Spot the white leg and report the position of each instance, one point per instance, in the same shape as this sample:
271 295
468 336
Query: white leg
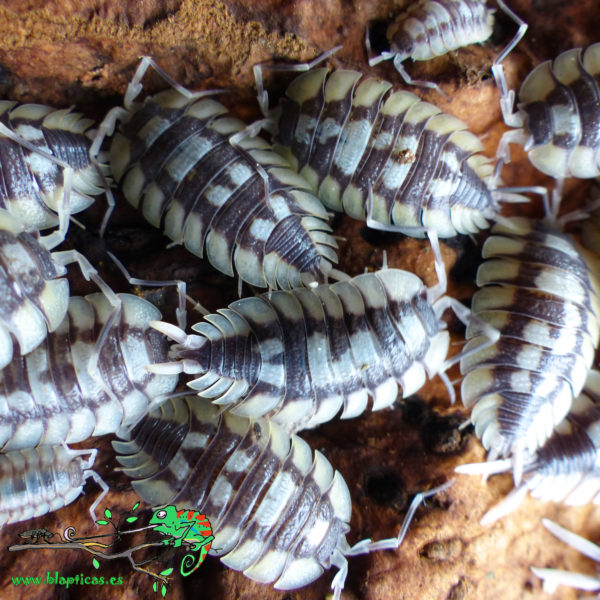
518 36
410 81
57 237
261 92
375 59
575 541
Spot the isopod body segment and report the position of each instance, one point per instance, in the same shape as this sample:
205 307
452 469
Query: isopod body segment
538 290
383 155
87 378
299 356
36 481
223 194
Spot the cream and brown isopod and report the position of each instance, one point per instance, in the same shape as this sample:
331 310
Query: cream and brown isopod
36 481
430 28
558 116
278 512
87 378
299 356
46 173
221 193
538 290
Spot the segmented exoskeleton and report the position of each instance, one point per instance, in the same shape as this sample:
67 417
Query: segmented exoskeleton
277 514
558 114
567 468
430 28
298 356
36 481
88 377
46 173
221 193
538 290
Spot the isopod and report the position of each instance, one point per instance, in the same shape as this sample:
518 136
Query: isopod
298 356
88 378
387 157
46 173
558 114
538 290
430 28
195 173
35 291
567 468
278 512
554 577
36 481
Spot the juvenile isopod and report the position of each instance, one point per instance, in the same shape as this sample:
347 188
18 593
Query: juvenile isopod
36 481
430 28
87 378
278 512
539 291
299 356
195 173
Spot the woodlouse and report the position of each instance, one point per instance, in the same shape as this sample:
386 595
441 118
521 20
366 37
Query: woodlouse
567 468
46 173
196 174
277 514
88 378
35 481
538 290
558 114
298 356
430 28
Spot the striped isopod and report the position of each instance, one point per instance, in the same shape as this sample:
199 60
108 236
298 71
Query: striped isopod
278 512
558 114
567 468
538 290
223 194
385 155
554 577
36 481
430 28
88 377
298 356
38 146
36 294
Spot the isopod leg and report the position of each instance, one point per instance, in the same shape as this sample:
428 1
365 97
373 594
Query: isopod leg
180 312
366 546
398 64
517 37
572 539
262 94
57 237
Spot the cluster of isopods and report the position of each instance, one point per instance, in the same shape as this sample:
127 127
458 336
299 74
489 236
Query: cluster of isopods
255 205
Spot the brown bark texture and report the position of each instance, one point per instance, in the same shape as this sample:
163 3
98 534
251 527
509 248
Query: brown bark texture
83 53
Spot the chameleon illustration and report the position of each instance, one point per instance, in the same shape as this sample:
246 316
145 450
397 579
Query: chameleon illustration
185 526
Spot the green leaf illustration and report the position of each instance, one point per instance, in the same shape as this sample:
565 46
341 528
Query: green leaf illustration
135 506
154 586
95 563
108 514
167 572
163 591
131 519
101 522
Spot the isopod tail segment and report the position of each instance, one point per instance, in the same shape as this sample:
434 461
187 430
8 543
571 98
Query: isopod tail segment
78 187
555 577
344 550
406 34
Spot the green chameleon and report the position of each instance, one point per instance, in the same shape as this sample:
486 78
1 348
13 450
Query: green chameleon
185 526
